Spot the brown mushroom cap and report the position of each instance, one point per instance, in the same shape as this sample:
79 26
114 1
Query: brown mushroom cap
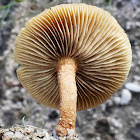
85 33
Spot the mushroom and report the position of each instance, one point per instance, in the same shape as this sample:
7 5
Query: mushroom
72 57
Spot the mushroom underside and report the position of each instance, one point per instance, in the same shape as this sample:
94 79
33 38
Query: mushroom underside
74 53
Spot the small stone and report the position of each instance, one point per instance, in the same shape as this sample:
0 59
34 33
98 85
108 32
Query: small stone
18 135
94 116
119 4
132 42
17 106
137 78
17 98
15 88
128 25
135 113
133 87
34 7
54 134
103 107
71 132
9 134
22 90
102 126
135 132
116 123
53 115
98 138
116 100
9 118
120 137
125 97
109 103
132 64
8 93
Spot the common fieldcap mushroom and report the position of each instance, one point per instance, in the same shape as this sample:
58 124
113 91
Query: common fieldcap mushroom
72 57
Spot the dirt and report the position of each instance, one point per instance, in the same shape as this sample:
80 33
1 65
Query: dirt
109 121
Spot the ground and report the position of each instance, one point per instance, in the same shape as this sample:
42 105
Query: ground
109 121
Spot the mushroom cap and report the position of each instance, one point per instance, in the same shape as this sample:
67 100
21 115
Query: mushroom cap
85 33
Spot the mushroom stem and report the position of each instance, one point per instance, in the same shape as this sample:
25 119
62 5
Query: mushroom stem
68 96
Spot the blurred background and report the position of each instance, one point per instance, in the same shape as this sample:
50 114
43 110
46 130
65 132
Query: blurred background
116 119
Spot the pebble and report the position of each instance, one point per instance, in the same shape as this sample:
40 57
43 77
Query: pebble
115 122
120 137
109 103
134 113
128 25
135 131
95 116
17 106
8 93
102 126
133 87
116 100
15 88
53 115
98 138
18 135
125 97
22 90
137 78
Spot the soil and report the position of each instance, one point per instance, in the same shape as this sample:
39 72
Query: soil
109 121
